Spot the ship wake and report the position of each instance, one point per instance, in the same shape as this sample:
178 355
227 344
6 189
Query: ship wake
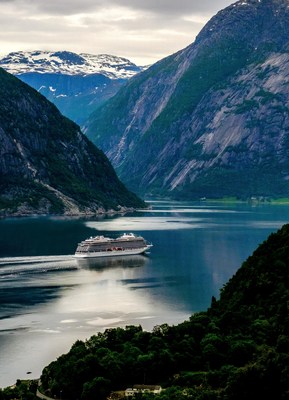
15 266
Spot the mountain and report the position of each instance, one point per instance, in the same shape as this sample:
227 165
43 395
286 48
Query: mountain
214 116
76 83
236 350
47 166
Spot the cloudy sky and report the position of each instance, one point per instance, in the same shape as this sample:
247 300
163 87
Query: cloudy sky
142 30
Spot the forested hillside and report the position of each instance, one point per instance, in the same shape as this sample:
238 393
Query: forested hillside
238 349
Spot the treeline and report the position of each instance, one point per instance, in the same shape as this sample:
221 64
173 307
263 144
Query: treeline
238 349
22 390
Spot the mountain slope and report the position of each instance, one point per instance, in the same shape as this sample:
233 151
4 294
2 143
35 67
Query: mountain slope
213 115
46 164
76 83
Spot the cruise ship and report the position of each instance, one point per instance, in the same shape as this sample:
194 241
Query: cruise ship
101 246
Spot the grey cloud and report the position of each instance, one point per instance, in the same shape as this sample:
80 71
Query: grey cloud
158 7
67 7
57 7
158 29
156 24
173 7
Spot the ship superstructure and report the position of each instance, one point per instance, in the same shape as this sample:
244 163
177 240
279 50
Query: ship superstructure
101 246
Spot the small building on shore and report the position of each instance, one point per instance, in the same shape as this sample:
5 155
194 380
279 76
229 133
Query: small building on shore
130 392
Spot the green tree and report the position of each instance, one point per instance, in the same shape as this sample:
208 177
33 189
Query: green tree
99 388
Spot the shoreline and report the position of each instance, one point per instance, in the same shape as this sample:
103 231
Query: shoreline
124 210
99 213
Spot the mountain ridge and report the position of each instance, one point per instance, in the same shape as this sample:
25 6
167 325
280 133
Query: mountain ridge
177 108
66 62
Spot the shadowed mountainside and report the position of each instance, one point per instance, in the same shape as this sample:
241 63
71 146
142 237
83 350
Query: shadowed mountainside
46 164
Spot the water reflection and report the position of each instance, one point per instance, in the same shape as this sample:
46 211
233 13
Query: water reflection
155 282
147 223
101 263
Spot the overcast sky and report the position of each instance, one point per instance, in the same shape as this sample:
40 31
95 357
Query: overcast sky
143 31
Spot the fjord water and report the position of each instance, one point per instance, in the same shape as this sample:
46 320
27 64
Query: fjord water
48 299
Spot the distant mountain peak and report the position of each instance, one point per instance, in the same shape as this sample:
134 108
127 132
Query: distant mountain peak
76 83
66 62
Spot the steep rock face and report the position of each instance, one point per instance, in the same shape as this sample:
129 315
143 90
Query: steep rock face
213 116
76 83
46 164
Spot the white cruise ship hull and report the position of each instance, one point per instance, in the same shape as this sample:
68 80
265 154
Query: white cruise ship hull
113 253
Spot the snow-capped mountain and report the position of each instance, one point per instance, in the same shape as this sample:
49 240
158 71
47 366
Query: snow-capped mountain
76 83
65 62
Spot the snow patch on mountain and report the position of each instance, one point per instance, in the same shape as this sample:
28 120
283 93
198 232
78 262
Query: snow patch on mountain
68 63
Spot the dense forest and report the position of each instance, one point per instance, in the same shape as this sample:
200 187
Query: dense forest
238 349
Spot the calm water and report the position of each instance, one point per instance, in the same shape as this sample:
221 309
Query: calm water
48 299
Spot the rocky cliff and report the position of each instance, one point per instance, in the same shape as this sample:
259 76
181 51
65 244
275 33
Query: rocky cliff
46 164
214 116
76 83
